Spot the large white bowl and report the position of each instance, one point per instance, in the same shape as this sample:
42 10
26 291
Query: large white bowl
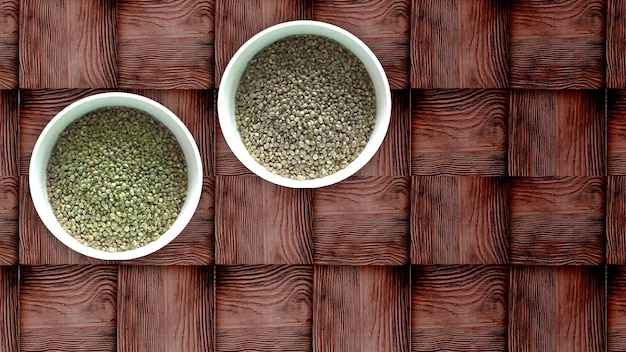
49 136
237 66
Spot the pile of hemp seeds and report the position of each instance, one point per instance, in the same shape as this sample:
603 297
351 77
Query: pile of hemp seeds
116 179
305 107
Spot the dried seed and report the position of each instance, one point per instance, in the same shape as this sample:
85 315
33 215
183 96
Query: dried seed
305 107
132 172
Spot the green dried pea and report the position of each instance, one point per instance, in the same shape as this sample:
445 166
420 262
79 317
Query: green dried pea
115 177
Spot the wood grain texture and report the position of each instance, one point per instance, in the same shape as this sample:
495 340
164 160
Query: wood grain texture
9 117
459 44
68 44
616 132
459 308
557 45
9 217
37 245
37 108
383 25
237 21
260 223
616 308
226 163
459 132
195 108
361 308
615 44
557 221
263 308
9 61
9 314
556 133
459 220
556 309
557 19
165 308
166 44
393 156
72 308
362 221
616 220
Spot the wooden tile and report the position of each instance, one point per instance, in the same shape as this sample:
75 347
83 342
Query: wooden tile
383 25
616 308
362 221
9 237
69 308
556 309
258 222
362 308
263 308
616 220
195 108
237 21
166 45
556 221
37 108
557 45
165 308
37 245
459 220
226 163
459 308
459 132
616 132
459 44
9 117
76 44
392 158
556 133
615 44
9 62
9 322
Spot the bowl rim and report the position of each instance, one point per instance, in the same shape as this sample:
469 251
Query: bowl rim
38 191
231 135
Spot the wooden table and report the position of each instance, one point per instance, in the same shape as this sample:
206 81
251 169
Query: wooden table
493 218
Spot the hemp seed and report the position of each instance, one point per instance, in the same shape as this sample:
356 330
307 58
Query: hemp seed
305 107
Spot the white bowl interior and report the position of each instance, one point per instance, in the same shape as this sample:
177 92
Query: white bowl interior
237 65
49 136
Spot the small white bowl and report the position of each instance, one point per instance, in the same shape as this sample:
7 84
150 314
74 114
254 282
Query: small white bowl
49 136
237 66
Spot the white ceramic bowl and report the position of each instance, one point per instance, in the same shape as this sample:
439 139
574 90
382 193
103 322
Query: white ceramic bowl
237 66
49 136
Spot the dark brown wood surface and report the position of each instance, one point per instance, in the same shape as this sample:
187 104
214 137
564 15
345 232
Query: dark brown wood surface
557 44
459 308
9 37
68 307
459 44
493 217
264 308
459 132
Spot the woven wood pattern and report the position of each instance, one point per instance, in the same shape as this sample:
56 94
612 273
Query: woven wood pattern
493 217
